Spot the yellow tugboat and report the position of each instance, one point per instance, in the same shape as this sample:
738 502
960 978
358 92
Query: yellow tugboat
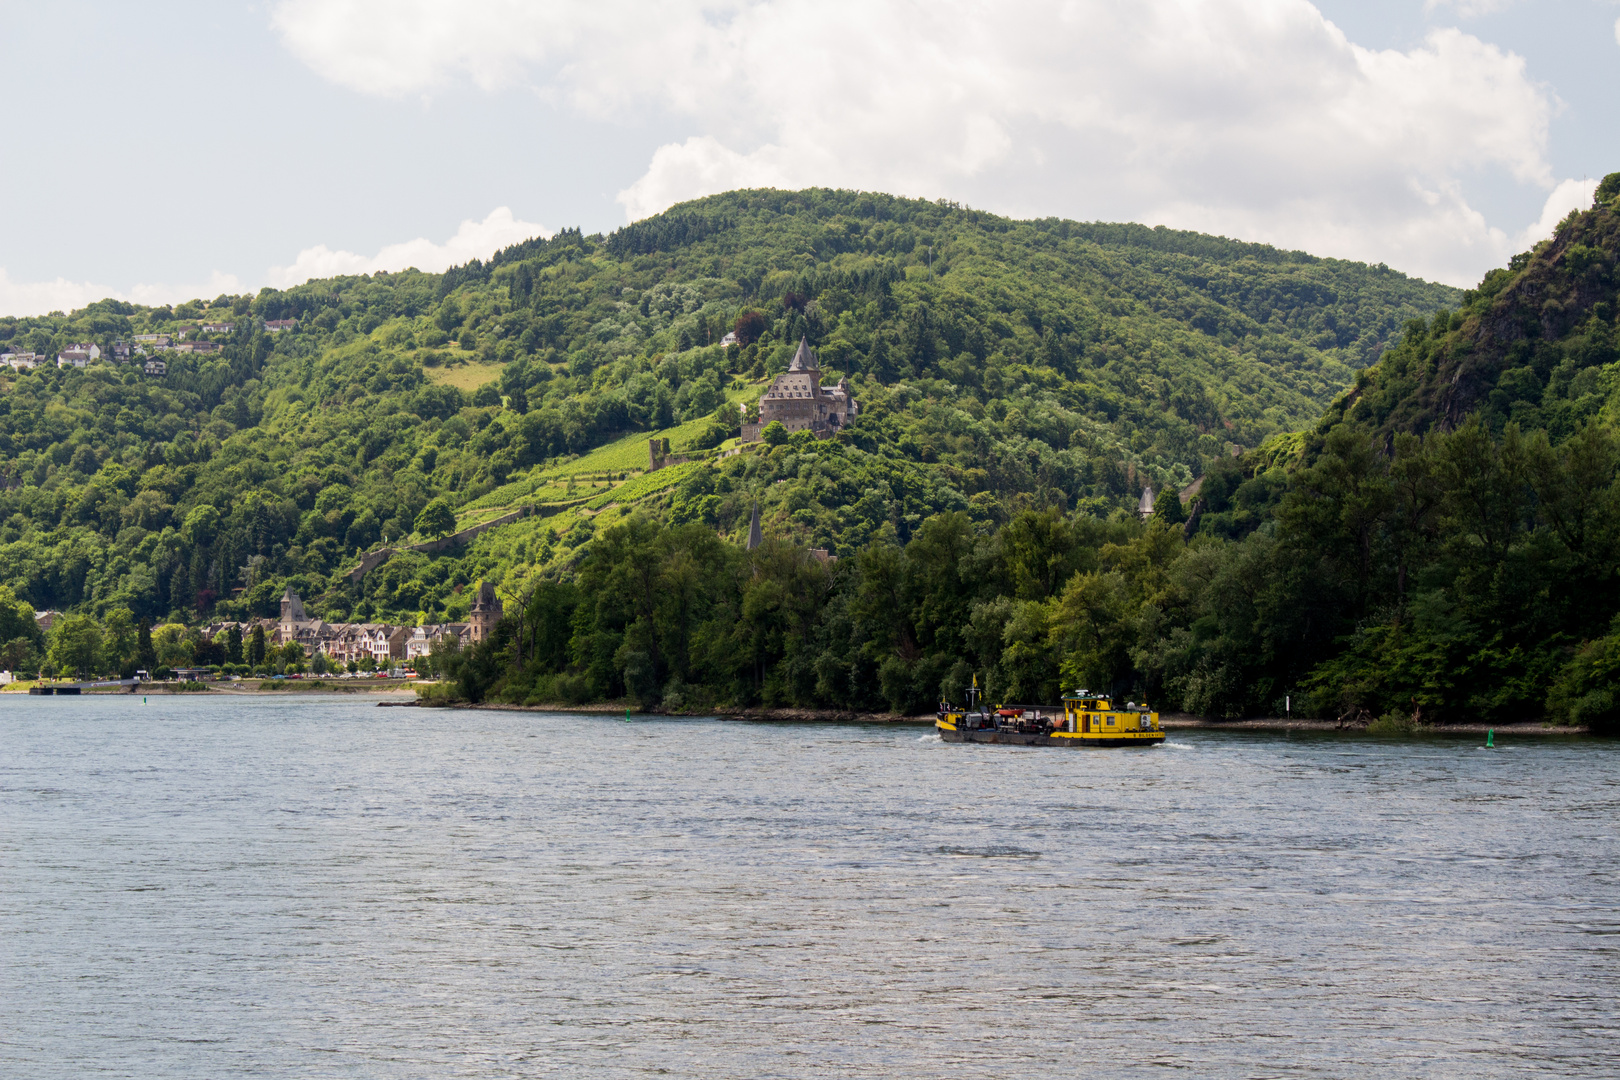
1086 720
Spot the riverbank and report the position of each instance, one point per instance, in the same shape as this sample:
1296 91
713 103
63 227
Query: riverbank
392 687
402 688
1187 722
23 688
786 716
1170 721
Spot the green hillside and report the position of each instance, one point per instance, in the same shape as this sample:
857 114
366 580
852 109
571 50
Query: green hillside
1440 545
1004 368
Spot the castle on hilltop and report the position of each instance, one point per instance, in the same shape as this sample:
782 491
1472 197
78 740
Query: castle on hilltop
797 399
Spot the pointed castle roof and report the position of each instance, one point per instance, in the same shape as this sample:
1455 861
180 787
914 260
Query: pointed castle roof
804 359
485 599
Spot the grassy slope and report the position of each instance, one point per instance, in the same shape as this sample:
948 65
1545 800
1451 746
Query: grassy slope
466 377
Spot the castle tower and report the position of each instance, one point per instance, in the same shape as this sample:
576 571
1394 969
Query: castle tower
292 614
485 613
292 607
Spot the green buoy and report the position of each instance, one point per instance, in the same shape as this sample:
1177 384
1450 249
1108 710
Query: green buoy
627 716
1490 735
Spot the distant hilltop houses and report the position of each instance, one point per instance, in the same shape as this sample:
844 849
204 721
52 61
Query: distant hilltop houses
139 348
345 643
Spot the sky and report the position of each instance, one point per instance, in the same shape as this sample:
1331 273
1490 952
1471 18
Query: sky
167 150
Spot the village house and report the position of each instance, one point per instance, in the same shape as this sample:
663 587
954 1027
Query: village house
801 403
78 355
351 643
276 326
120 352
197 347
20 361
157 367
342 644
461 633
385 645
417 645
218 327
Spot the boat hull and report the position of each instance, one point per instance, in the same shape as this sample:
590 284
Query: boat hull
1015 738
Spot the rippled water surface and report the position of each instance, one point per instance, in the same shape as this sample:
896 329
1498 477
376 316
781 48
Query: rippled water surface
198 888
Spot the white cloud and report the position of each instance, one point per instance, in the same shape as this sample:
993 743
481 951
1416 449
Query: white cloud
702 164
394 47
1250 117
1570 195
39 297
21 298
474 240
1470 8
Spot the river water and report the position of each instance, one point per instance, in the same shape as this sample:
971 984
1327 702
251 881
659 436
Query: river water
321 888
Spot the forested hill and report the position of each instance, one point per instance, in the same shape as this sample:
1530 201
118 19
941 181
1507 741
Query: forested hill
1002 364
1005 368
1441 544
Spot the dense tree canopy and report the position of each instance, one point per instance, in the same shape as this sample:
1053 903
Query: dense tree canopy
1003 364
1021 383
1442 544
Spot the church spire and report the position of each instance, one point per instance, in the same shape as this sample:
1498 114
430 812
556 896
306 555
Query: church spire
755 536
